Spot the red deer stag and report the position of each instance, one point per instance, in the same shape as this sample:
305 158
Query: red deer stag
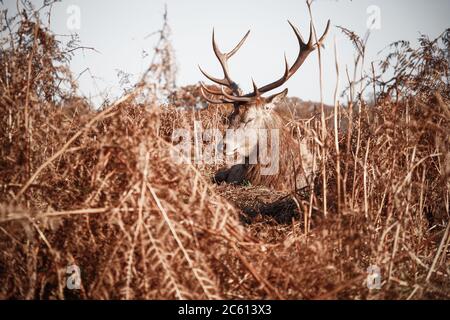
254 112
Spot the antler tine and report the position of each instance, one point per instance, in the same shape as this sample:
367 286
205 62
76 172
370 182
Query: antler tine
287 74
322 38
305 50
285 91
222 82
222 100
211 91
235 98
238 46
302 43
255 89
228 98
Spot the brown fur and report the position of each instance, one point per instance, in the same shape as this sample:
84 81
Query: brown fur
295 158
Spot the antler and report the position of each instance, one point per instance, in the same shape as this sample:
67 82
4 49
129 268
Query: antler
305 50
223 59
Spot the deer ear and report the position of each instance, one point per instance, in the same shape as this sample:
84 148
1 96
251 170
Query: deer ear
277 97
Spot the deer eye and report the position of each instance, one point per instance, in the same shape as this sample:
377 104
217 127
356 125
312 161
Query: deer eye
268 106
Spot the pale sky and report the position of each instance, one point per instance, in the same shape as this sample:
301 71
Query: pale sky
117 30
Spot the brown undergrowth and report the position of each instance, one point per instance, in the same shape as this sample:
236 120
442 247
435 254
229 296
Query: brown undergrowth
100 189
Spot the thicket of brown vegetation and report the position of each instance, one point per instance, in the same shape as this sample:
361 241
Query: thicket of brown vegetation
99 189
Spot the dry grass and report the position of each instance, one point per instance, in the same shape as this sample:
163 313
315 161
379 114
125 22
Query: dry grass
99 189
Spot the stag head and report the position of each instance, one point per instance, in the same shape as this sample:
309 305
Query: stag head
252 110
